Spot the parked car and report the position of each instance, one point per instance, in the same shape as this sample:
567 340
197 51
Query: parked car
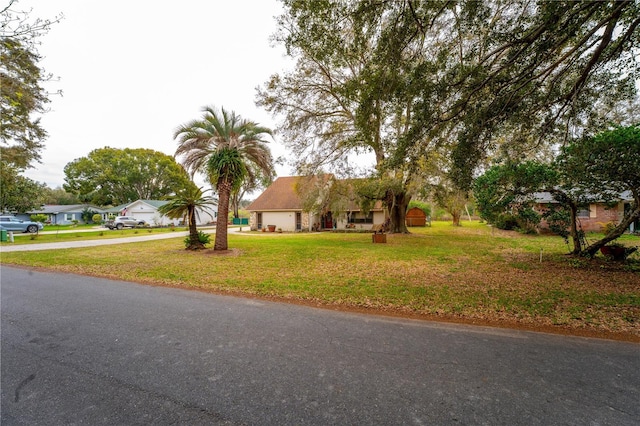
12 223
125 222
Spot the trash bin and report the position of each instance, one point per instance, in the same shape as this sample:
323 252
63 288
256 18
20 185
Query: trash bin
3 235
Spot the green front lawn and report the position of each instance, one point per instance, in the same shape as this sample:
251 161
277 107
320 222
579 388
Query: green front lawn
470 274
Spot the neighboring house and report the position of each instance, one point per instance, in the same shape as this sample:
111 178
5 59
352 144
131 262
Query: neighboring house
280 206
64 214
594 217
147 210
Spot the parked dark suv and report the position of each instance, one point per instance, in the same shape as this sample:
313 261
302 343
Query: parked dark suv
125 222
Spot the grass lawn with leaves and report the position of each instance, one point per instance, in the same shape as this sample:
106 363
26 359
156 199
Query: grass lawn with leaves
470 274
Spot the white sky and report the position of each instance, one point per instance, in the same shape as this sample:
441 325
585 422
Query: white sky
132 71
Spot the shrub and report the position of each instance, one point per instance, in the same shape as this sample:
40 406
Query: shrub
96 218
559 221
87 214
42 218
506 221
608 227
528 220
202 237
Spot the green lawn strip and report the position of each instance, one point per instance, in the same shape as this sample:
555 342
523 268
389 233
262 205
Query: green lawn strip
462 272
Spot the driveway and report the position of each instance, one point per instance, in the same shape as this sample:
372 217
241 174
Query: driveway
82 350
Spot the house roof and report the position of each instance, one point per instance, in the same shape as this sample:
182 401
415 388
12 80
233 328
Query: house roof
547 198
280 195
57 208
153 203
117 209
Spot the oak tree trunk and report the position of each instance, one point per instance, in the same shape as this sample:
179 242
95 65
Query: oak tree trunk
397 205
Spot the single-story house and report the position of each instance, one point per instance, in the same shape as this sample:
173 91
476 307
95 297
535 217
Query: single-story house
280 206
147 210
596 215
64 214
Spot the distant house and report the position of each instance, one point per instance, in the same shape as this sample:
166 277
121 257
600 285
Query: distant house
280 206
147 210
596 215
64 214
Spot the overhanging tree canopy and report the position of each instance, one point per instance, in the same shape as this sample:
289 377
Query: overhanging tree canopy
598 168
402 78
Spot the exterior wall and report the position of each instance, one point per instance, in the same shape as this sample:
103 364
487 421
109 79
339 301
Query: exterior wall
287 220
378 218
64 218
284 220
150 214
206 217
307 221
599 215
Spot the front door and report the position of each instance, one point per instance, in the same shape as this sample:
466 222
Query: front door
327 221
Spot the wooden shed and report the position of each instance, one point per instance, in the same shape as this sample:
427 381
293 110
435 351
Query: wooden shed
416 217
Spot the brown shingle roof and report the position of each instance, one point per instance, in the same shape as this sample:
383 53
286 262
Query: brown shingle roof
280 195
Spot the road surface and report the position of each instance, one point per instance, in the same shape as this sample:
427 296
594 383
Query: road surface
81 350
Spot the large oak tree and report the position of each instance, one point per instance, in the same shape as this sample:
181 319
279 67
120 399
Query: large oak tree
403 78
116 176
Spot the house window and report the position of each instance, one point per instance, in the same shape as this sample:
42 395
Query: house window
298 221
584 213
360 218
259 220
68 217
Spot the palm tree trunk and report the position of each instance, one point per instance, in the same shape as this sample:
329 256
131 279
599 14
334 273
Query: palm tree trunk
224 194
194 239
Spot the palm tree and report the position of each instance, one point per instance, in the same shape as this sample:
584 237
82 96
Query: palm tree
228 150
186 203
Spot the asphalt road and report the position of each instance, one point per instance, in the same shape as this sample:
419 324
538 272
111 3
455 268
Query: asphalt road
79 350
